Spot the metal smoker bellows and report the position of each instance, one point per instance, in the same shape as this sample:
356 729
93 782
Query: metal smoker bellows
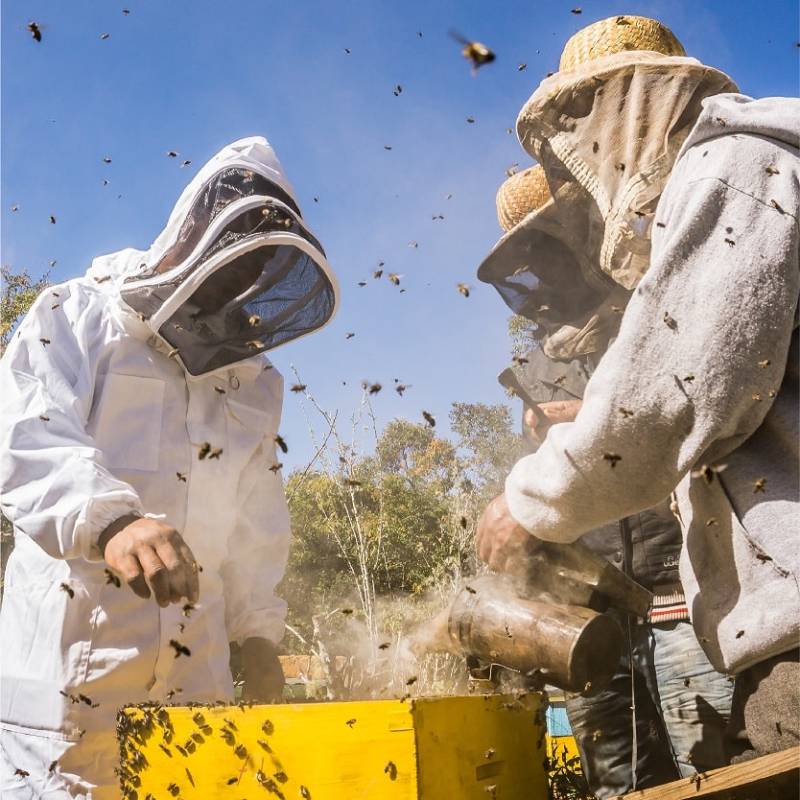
549 617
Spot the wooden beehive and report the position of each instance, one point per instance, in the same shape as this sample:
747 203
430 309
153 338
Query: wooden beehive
446 748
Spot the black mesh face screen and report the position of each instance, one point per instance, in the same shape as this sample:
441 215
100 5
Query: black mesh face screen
544 284
259 300
216 194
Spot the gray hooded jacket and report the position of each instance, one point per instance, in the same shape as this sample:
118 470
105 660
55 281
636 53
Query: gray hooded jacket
700 388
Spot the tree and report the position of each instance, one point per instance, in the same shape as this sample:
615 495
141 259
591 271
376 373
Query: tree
19 291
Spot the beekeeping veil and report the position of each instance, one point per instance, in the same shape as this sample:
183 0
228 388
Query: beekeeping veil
606 129
236 271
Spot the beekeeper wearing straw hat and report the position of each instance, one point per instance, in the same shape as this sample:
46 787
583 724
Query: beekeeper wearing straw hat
664 713
670 186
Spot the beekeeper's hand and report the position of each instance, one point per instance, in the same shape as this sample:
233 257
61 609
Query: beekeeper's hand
263 675
539 421
149 554
501 541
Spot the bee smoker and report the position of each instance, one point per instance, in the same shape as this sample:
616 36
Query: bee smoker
550 618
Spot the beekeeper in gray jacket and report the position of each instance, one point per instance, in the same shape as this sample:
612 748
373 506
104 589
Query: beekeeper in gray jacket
669 185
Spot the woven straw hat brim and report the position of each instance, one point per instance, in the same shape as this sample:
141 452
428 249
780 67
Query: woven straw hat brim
520 194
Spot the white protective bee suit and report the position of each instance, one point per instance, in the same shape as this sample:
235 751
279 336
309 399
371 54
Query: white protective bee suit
143 388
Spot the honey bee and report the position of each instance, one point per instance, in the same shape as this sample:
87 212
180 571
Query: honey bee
180 649
65 587
463 289
281 442
112 578
35 30
400 388
298 387
429 418
52 220
349 335
395 278
477 53
612 459
104 36
205 449
276 467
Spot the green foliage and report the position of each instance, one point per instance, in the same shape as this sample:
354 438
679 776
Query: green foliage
17 296
398 522
523 334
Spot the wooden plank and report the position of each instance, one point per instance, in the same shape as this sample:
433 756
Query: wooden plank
775 775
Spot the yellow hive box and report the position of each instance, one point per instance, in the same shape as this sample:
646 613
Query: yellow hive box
446 748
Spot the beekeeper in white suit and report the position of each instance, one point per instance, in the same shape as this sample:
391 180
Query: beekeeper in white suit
138 464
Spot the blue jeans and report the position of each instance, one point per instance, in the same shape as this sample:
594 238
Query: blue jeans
682 706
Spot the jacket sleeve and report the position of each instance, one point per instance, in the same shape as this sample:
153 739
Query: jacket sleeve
701 350
55 486
258 551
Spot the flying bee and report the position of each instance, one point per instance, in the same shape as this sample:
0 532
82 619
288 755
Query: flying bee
395 278
172 153
181 477
429 418
276 467
35 30
371 388
398 90
216 453
463 288
104 36
377 273
391 770
350 722
758 485
352 483
298 387
186 162
112 578
281 442
707 472
612 459
255 344
400 388
205 449
411 681
349 335
52 220
384 645
471 120
476 53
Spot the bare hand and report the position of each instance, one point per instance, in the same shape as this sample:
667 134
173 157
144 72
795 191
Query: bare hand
263 675
150 554
551 413
501 541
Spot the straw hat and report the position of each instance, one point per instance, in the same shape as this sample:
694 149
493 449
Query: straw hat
527 191
520 194
615 35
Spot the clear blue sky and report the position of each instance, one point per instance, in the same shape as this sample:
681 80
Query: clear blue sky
192 76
